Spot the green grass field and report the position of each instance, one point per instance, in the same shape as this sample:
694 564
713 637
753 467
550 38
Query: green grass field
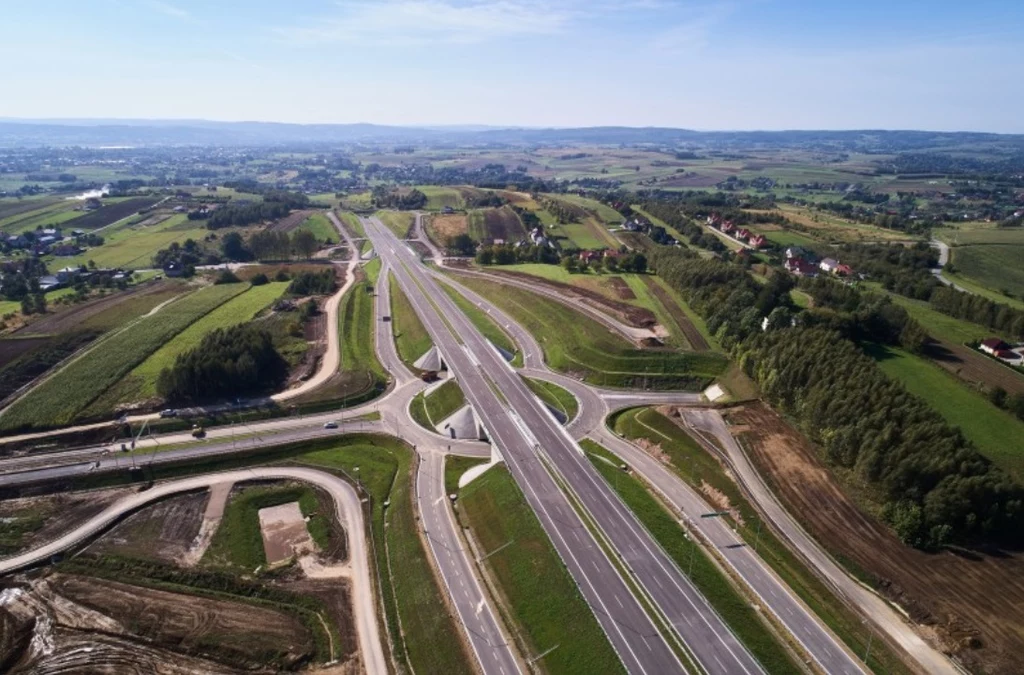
559 398
352 222
999 267
58 400
356 327
411 337
996 433
542 599
48 214
576 344
399 222
133 246
439 196
731 605
454 467
321 227
483 322
238 542
444 401
423 633
141 382
690 462
607 214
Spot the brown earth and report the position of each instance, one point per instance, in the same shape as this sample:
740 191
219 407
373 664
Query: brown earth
972 600
621 289
691 179
291 221
106 312
441 227
640 317
55 514
16 208
693 336
239 634
974 367
12 349
163 531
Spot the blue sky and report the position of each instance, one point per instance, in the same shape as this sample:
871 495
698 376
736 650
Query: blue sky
731 64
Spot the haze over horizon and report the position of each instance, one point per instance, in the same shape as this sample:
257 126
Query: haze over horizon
717 65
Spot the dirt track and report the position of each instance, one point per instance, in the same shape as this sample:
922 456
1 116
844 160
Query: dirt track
693 336
974 602
974 367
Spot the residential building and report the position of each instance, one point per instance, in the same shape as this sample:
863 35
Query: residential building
993 345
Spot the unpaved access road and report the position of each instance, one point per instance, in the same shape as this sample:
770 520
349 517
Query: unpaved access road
346 501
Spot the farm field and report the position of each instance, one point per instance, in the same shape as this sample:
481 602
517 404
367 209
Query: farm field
113 210
998 267
61 398
742 618
578 345
488 225
538 593
951 591
440 196
133 246
55 213
440 228
996 433
411 338
829 228
605 213
140 383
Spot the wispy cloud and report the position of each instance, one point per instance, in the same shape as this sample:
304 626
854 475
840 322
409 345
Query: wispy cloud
431 21
172 11
692 33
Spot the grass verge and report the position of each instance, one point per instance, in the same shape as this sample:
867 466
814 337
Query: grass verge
483 322
411 338
559 398
454 467
537 590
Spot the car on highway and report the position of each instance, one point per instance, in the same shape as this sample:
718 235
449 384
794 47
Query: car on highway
330 425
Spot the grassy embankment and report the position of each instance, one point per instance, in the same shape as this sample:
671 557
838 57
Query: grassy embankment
996 433
439 405
411 338
321 227
538 595
140 383
576 344
454 467
555 396
485 324
360 369
717 588
399 222
693 464
60 399
352 222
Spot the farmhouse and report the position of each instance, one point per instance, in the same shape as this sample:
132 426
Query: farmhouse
743 234
828 265
728 227
801 267
993 345
758 240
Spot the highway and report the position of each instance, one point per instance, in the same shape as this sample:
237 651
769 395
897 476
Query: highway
528 438
349 512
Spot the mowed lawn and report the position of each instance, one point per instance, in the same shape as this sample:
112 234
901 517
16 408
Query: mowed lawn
238 310
411 338
61 398
997 434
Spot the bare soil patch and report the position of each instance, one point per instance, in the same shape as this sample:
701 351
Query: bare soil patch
972 600
291 221
441 227
163 531
49 516
690 332
973 367
12 349
621 289
285 535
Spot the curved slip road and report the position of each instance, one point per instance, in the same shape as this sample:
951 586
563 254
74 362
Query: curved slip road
349 512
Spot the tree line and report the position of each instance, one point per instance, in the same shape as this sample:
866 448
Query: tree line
934 487
241 360
275 205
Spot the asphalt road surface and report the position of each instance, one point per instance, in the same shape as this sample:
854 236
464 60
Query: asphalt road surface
527 435
349 512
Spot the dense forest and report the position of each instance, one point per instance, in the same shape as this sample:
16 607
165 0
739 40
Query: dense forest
275 205
236 361
313 283
934 487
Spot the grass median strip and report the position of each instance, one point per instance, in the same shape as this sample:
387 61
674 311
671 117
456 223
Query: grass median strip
483 321
411 338
716 587
58 400
537 590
